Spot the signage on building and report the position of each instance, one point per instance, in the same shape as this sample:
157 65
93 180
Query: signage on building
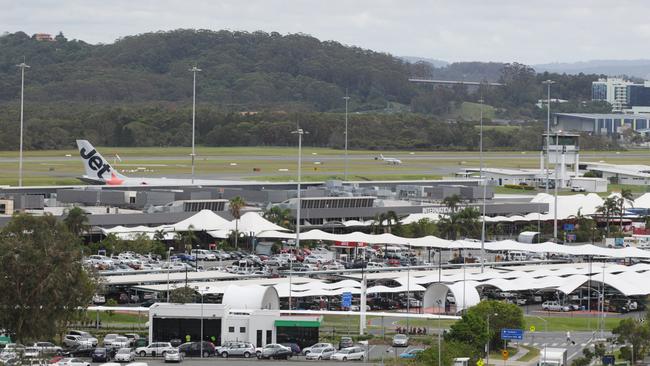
437 209
350 244
346 299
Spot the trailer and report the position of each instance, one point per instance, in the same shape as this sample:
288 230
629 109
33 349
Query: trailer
552 357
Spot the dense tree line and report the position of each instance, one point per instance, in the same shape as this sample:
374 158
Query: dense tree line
254 88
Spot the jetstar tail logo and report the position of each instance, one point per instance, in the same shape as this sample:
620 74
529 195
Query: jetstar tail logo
95 162
114 181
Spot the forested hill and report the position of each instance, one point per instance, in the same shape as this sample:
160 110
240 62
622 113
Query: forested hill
239 68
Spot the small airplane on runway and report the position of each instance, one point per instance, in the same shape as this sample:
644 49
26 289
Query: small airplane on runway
393 161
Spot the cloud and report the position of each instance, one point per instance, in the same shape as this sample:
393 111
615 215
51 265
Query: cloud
496 30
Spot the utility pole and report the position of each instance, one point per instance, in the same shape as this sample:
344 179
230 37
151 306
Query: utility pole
548 84
22 66
347 99
484 181
299 132
194 70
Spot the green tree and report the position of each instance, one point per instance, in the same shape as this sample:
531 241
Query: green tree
235 207
76 221
420 228
609 208
472 327
280 216
452 202
44 285
182 295
636 333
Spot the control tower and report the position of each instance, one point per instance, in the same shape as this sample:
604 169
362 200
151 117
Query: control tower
563 155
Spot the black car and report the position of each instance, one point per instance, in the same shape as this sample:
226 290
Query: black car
102 355
281 354
79 351
193 349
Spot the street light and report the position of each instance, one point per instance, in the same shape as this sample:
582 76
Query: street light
22 66
201 293
169 266
439 301
545 331
488 338
299 132
484 191
347 99
194 70
548 84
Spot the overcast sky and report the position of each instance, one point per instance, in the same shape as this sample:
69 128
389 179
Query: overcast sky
454 30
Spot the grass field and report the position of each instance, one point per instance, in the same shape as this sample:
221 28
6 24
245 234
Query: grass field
469 111
278 164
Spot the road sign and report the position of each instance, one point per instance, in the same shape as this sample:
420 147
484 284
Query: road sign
504 354
480 362
569 227
532 329
571 237
346 299
512 334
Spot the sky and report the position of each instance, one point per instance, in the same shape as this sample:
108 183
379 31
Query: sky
525 31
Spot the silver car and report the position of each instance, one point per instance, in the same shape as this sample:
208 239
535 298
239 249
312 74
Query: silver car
400 340
322 353
307 350
240 349
173 356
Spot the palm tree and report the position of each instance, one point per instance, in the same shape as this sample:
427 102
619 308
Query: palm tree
378 223
76 221
608 208
392 220
452 202
236 204
626 195
280 216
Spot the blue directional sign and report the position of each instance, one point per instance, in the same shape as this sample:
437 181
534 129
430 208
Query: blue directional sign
569 227
512 334
346 299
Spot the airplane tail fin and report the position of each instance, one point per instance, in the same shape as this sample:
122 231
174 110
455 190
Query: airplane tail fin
381 156
96 167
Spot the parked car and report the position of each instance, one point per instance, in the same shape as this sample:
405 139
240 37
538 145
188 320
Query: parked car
72 362
173 356
309 349
121 342
238 349
101 355
132 337
577 189
294 347
108 339
554 306
321 353
48 348
154 349
75 341
413 353
350 353
345 342
400 340
85 335
275 351
126 355
31 352
193 349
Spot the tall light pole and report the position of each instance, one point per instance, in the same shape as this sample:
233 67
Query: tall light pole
169 266
299 132
548 84
22 66
194 70
347 99
484 190
202 293
487 361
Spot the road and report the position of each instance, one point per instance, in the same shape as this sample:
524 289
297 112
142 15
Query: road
579 340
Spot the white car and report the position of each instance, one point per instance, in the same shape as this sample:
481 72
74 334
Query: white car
323 353
154 349
204 255
31 352
309 349
350 353
47 347
109 338
72 362
577 189
121 342
87 336
125 355
173 356
554 306
71 340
